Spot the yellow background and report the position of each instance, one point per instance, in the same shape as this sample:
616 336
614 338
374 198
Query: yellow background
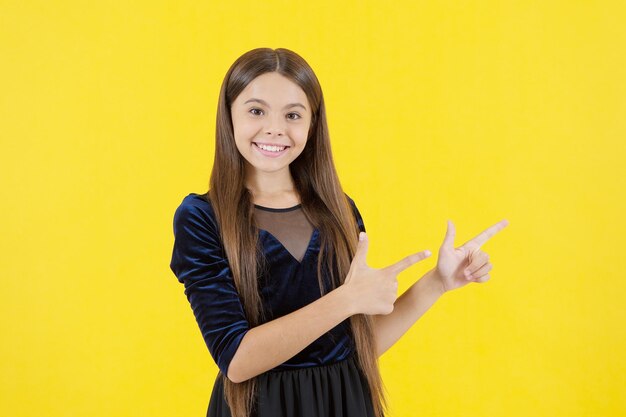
474 111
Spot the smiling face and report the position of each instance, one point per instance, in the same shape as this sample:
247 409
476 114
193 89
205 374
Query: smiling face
271 119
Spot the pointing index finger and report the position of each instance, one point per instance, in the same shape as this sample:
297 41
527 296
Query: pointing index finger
486 234
407 261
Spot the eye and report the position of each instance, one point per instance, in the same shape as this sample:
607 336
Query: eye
299 117
253 109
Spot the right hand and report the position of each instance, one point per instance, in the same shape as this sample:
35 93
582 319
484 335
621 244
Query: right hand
374 291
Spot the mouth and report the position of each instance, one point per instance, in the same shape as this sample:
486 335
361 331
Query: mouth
271 150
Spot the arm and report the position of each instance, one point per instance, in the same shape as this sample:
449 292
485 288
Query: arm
408 308
198 261
272 343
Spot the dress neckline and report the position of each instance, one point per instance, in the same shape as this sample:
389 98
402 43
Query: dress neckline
278 209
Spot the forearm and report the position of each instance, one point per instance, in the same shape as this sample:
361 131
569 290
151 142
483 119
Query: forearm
270 344
408 308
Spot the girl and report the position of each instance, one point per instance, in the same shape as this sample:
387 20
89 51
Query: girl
273 258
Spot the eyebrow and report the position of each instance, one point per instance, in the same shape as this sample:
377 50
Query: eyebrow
265 103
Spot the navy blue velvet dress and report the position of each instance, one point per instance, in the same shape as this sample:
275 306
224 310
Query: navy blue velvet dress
321 380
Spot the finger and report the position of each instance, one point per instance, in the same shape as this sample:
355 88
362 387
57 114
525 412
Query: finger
360 256
407 261
483 278
483 270
448 240
486 234
477 259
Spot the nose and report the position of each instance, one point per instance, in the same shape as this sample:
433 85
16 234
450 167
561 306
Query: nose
276 127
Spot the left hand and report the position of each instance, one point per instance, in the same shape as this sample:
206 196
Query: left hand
453 262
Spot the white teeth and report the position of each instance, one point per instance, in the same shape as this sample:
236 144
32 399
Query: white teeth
271 148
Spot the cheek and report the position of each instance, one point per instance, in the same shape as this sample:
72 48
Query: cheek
244 131
299 135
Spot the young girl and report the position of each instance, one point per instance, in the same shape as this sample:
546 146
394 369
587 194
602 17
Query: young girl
272 264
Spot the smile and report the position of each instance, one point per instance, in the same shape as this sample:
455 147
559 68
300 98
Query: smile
271 151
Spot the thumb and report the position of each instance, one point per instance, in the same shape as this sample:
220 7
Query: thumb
448 240
361 249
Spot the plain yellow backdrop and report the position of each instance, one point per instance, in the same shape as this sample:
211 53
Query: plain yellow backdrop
473 111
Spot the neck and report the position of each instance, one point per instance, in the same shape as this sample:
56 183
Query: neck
275 183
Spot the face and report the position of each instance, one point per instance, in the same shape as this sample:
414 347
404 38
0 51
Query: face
271 119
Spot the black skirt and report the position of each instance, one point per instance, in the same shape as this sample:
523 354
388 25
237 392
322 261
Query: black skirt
338 390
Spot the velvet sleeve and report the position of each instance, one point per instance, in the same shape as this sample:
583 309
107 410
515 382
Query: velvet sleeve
198 261
357 214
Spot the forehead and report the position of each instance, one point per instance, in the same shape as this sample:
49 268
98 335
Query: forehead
273 87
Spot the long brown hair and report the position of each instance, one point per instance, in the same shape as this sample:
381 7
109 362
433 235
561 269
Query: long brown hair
323 202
